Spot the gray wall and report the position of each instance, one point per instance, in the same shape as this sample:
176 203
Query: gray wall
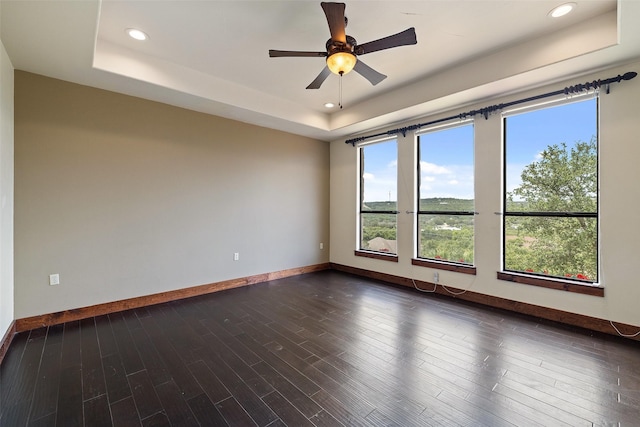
6 192
125 197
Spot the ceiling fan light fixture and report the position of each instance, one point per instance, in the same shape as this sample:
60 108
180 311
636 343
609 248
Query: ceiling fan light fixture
341 63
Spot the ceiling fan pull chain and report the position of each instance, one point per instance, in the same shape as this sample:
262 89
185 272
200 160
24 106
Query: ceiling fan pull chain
340 91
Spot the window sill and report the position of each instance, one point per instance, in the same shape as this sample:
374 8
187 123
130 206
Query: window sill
458 268
377 255
558 284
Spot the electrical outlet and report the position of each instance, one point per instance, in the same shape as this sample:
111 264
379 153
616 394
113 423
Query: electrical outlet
236 256
436 277
321 245
54 279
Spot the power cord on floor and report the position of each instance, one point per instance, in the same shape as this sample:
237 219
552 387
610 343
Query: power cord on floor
435 287
621 334
455 293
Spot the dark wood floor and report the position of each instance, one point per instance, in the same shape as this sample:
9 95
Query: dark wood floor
321 349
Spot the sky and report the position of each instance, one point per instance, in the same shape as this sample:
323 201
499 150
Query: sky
446 156
381 171
530 133
446 163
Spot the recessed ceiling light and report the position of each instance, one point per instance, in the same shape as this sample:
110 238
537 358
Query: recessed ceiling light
562 10
329 105
137 34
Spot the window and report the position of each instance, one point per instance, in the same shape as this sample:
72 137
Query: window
378 197
550 222
446 195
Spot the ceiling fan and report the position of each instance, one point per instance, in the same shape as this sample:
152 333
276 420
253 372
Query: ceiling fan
342 50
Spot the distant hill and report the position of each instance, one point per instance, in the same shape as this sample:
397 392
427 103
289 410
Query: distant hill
430 204
380 206
446 204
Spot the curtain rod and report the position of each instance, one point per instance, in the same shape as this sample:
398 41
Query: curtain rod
485 111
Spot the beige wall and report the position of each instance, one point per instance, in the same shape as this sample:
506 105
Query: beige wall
6 192
620 204
125 197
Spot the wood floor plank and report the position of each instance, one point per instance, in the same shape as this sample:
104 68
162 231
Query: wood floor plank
144 394
93 383
323 349
71 348
45 396
20 389
288 390
249 376
46 421
126 346
115 378
469 414
206 412
192 314
9 370
324 419
185 340
106 339
282 367
157 420
391 402
70 408
124 413
176 408
171 359
151 359
234 414
338 410
213 388
97 412
267 335
349 398
285 410
246 354
240 391
545 413
14 414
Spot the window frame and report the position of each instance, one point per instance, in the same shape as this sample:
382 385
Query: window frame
569 284
360 251
449 265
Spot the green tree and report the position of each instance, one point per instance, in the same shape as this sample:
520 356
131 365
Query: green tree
448 245
562 180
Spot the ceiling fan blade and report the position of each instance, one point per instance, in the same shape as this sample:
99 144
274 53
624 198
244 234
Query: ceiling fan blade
292 53
335 18
403 38
368 73
320 79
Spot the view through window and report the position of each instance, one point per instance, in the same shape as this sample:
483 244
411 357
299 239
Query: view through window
446 195
378 196
551 191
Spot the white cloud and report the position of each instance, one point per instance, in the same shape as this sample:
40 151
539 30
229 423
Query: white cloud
452 181
432 168
368 176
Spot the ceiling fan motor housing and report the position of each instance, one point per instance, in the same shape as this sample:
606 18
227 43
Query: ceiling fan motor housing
334 46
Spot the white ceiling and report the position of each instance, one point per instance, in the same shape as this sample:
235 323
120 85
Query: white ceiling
212 56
